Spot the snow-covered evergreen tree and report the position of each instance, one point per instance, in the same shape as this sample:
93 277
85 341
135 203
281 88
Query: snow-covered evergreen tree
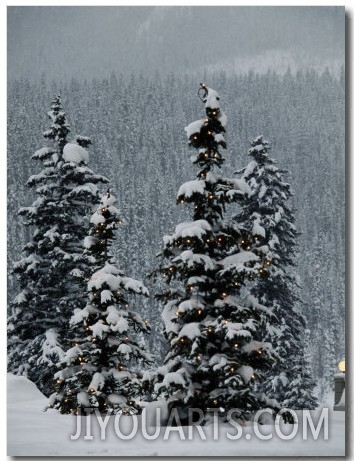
214 358
101 368
52 261
300 393
267 217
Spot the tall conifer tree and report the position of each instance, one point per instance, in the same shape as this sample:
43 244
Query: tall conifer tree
213 357
101 368
267 217
53 260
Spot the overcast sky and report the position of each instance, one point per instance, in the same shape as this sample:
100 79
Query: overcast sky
93 41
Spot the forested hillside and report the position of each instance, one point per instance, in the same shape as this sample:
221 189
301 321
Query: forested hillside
136 124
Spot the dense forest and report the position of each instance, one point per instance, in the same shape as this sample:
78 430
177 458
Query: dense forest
137 127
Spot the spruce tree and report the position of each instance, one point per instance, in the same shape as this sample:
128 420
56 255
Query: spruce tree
101 368
52 266
267 217
300 394
213 358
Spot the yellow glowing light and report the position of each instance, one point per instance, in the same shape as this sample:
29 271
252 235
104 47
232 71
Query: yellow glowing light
341 366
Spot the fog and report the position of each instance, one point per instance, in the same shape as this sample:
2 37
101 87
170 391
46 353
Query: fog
62 42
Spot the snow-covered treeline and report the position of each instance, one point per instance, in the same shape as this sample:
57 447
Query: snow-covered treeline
136 125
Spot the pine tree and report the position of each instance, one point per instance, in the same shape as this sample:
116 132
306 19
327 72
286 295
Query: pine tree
52 265
300 393
267 216
101 368
213 357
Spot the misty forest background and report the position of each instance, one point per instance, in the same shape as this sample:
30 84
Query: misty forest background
132 89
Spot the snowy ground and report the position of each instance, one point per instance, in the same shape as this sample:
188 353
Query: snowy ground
32 432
